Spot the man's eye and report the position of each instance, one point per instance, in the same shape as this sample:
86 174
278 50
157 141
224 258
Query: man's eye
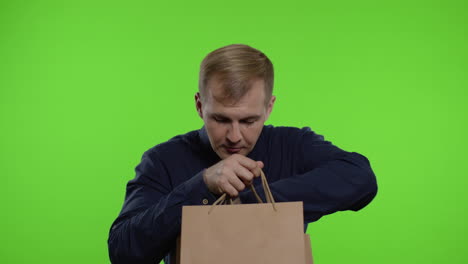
248 122
221 120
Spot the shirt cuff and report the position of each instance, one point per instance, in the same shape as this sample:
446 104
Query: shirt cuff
198 192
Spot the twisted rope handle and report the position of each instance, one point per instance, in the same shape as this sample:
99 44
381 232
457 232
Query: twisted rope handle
266 189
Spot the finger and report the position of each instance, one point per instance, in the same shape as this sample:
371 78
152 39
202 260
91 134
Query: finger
230 190
226 185
260 164
257 170
244 174
237 183
246 162
247 183
253 166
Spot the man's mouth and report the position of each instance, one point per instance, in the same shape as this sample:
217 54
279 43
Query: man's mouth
232 150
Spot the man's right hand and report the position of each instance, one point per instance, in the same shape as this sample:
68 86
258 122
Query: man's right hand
232 175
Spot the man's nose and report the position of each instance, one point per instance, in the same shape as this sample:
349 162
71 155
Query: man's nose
234 134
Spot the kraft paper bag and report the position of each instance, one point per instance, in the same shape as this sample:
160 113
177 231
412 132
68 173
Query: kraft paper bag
308 250
269 233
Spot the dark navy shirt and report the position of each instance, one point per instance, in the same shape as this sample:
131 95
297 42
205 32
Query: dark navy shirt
299 165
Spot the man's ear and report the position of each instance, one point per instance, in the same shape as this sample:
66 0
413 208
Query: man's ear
270 106
198 104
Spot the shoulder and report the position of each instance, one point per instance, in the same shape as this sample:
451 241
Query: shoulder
289 133
176 146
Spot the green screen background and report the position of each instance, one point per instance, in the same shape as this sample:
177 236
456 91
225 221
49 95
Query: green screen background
88 86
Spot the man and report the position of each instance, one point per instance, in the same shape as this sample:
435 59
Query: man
226 155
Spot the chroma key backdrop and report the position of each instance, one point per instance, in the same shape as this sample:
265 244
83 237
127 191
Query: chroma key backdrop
87 86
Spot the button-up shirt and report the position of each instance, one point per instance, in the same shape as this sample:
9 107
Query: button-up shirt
299 165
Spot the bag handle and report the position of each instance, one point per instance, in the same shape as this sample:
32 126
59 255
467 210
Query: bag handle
266 188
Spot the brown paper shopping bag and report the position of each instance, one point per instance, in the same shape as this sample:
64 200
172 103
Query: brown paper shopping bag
269 233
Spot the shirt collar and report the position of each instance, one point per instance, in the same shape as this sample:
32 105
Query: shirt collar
205 141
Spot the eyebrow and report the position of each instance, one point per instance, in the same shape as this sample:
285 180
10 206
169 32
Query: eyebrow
221 116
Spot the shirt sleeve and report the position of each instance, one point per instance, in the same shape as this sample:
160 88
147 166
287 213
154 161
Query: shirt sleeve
328 179
150 220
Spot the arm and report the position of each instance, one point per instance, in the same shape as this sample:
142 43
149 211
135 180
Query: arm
328 179
150 220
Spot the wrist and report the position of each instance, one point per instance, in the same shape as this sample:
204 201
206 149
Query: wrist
205 180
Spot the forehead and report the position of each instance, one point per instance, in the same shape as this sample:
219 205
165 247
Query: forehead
250 103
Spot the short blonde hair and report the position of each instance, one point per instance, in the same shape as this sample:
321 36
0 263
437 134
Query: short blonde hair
236 66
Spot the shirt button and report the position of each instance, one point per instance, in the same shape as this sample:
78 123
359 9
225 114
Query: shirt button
205 201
